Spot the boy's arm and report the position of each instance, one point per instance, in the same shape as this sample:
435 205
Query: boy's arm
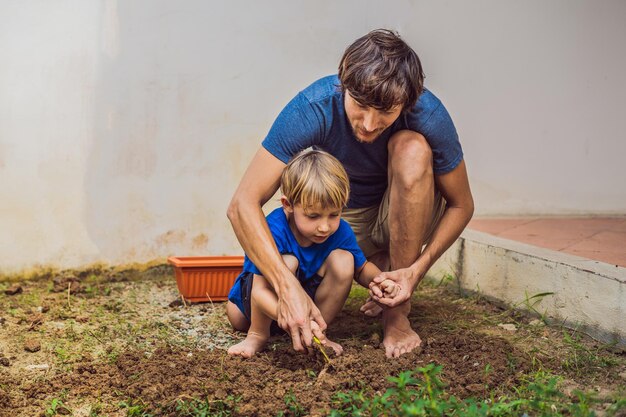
366 273
296 310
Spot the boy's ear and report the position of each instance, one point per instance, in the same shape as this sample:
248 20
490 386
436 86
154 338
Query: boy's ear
286 204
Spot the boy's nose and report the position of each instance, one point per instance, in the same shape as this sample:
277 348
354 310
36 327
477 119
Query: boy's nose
323 227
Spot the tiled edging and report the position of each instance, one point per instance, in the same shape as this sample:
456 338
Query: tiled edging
587 295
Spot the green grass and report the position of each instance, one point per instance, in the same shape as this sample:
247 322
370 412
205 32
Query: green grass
135 408
56 406
582 358
205 407
422 393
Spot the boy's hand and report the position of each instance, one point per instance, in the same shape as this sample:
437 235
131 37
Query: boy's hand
317 332
385 289
390 288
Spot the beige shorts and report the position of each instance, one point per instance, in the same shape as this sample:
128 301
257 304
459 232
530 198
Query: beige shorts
371 225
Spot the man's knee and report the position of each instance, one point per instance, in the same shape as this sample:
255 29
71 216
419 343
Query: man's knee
340 264
410 158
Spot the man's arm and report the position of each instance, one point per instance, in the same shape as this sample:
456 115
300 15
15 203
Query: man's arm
454 187
295 307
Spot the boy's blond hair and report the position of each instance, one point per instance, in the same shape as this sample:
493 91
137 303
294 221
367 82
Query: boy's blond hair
315 178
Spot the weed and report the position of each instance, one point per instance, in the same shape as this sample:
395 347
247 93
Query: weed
135 408
445 280
581 357
488 369
95 410
294 408
532 301
425 396
206 407
56 407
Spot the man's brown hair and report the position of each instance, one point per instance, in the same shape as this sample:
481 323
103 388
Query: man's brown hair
380 70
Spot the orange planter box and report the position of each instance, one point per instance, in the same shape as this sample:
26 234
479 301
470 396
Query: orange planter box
206 278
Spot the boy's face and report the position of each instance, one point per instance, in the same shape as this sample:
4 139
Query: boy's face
313 225
368 123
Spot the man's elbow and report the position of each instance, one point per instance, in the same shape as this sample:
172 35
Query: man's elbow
470 209
233 210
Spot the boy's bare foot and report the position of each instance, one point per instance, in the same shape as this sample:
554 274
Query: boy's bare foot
253 343
334 346
326 342
371 308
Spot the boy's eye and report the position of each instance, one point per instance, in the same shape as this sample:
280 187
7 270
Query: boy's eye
334 215
312 216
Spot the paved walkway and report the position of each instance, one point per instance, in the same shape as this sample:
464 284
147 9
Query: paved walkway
598 238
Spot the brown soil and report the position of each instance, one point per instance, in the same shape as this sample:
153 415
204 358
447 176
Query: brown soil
122 342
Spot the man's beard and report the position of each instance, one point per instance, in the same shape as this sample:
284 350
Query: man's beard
367 142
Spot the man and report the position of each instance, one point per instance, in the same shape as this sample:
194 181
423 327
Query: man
408 180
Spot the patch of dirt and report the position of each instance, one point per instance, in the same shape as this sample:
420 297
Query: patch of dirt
121 343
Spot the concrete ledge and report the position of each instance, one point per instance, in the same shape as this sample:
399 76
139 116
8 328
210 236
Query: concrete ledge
587 295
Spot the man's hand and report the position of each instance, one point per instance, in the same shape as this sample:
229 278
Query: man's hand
296 311
404 278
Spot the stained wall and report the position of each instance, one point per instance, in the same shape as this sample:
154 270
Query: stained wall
125 126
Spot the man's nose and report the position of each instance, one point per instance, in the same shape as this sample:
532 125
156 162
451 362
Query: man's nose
370 120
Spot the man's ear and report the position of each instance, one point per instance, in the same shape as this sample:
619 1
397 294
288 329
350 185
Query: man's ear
286 204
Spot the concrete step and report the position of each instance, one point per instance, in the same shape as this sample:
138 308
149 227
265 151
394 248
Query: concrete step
583 294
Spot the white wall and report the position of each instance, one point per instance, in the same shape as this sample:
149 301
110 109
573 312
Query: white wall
125 126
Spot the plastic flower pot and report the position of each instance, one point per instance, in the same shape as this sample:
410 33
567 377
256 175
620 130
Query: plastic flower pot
206 278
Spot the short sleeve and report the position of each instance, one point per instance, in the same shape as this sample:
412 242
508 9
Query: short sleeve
297 127
431 119
441 134
348 242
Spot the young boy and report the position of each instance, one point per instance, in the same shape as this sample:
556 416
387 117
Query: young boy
317 246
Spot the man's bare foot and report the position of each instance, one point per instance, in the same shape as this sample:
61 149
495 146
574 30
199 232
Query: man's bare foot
399 338
371 308
252 344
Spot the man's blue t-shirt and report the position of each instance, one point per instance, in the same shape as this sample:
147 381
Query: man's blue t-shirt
310 258
316 117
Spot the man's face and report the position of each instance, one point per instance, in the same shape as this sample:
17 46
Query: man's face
368 123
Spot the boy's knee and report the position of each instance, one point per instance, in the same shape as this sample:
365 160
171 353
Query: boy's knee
291 262
341 263
410 158
236 317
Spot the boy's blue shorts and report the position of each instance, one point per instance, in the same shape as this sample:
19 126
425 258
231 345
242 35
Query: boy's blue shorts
243 298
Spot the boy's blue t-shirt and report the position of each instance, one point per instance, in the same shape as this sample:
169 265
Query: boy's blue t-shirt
310 258
316 117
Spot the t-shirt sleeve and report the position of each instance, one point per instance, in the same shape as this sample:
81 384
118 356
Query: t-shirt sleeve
438 129
297 127
277 228
347 241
